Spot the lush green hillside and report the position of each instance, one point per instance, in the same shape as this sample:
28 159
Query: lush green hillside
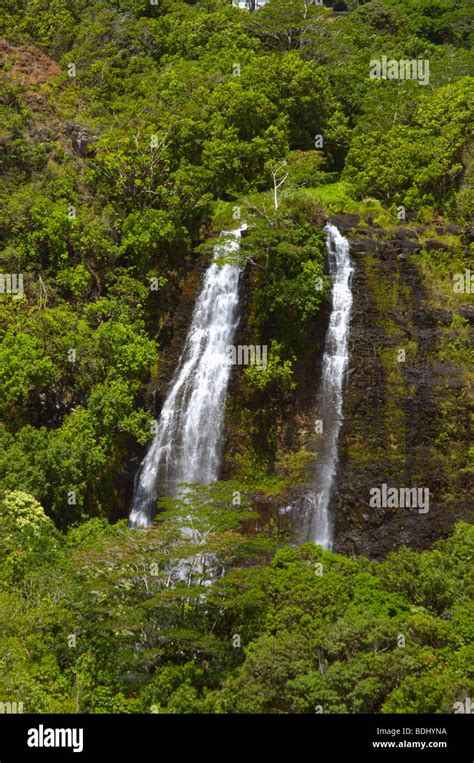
128 624
132 133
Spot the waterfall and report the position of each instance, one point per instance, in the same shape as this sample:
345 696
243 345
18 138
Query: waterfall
188 441
317 525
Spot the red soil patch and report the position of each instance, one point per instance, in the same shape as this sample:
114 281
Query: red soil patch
30 66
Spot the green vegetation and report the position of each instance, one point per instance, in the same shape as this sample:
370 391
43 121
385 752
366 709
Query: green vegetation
175 113
129 624
131 135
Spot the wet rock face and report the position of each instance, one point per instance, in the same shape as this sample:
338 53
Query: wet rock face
406 420
406 423
345 223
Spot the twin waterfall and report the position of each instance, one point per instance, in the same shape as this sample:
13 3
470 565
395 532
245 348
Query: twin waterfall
315 518
187 445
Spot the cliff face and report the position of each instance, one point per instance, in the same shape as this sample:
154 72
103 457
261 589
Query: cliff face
408 395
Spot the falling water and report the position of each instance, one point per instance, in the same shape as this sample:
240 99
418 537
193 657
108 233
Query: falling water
316 521
187 445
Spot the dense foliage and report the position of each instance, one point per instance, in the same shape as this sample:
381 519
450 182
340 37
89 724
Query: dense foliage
110 174
130 623
131 133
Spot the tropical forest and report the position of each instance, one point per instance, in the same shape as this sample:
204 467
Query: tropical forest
236 357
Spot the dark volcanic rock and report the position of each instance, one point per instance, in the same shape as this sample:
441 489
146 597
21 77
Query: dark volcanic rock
432 244
395 412
429 317
404 233
448 229
405 420
81 138
408 246
364 244
467 312
345 223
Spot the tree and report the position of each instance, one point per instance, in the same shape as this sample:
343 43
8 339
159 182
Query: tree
292 23
279 175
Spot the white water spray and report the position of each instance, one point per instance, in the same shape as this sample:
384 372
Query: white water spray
317 524
187 445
